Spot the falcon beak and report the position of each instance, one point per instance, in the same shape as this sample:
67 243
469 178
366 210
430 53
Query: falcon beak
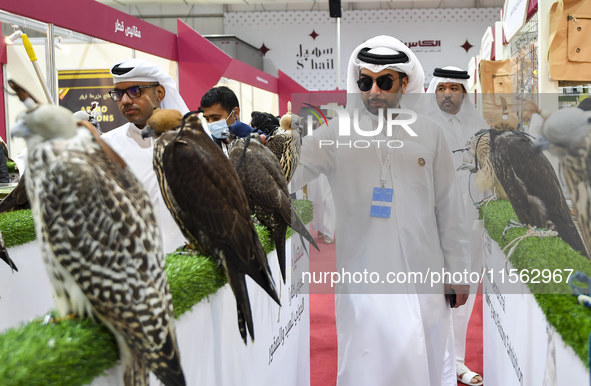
148 132
20 130
541 144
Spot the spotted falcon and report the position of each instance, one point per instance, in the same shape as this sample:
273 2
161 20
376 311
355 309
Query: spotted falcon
99 239
266 189
204 195
566 133
286 143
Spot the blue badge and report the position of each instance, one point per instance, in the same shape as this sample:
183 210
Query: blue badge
381 202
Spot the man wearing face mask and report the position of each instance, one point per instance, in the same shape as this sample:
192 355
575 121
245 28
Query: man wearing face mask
221 111
141 86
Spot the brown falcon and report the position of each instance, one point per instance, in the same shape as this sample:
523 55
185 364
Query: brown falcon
100 241
266 189
530 182
204 195
567 134
286 143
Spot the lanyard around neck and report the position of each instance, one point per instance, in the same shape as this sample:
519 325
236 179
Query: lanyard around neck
384 163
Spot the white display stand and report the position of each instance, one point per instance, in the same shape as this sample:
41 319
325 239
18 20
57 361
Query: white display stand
212 351
520 347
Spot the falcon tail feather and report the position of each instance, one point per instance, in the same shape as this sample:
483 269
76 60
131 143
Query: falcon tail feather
4 256
298 226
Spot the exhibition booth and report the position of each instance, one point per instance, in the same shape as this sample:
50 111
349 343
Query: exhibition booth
533 53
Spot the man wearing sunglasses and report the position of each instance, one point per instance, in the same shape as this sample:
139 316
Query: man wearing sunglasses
398 212
140 87
452 108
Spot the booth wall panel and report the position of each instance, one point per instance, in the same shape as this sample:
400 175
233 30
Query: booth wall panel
201 65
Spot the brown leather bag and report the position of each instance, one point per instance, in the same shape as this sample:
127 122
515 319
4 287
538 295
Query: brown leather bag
495 80
570 31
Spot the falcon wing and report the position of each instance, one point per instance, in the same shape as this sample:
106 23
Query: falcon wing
276 143
263 179
207 192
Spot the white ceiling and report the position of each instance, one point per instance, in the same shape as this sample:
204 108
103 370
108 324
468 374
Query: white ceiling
189 7
207 16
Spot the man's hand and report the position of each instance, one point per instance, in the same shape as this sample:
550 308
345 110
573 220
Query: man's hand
462 292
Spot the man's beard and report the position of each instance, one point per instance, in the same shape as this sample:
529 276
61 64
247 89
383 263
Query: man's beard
451 108
392 102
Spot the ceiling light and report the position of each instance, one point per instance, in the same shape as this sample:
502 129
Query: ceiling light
61 47
13 37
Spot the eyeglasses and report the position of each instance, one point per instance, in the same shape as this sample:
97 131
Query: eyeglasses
384 82
132 92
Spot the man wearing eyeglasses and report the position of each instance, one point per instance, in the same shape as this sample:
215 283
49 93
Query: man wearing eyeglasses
452 108
140 87
399 214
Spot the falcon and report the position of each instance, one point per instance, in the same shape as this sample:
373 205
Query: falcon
566 134
99 239
530 182
286 143
204 195
266 189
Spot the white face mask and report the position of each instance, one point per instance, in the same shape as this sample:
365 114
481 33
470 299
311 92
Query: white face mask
219 129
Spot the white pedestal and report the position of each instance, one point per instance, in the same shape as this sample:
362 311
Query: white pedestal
520 347
212 351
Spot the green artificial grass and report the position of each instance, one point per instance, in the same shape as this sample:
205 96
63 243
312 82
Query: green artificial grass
571 320
72 353
64 353
12 167
17 227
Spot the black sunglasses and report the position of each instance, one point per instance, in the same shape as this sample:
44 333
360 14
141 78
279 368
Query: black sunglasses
132 92
384 82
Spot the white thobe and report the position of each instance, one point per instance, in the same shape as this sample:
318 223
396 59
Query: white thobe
458 129
140 161
387 338
324 219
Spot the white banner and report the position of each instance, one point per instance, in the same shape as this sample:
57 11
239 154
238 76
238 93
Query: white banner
303 44
520 348
515 13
